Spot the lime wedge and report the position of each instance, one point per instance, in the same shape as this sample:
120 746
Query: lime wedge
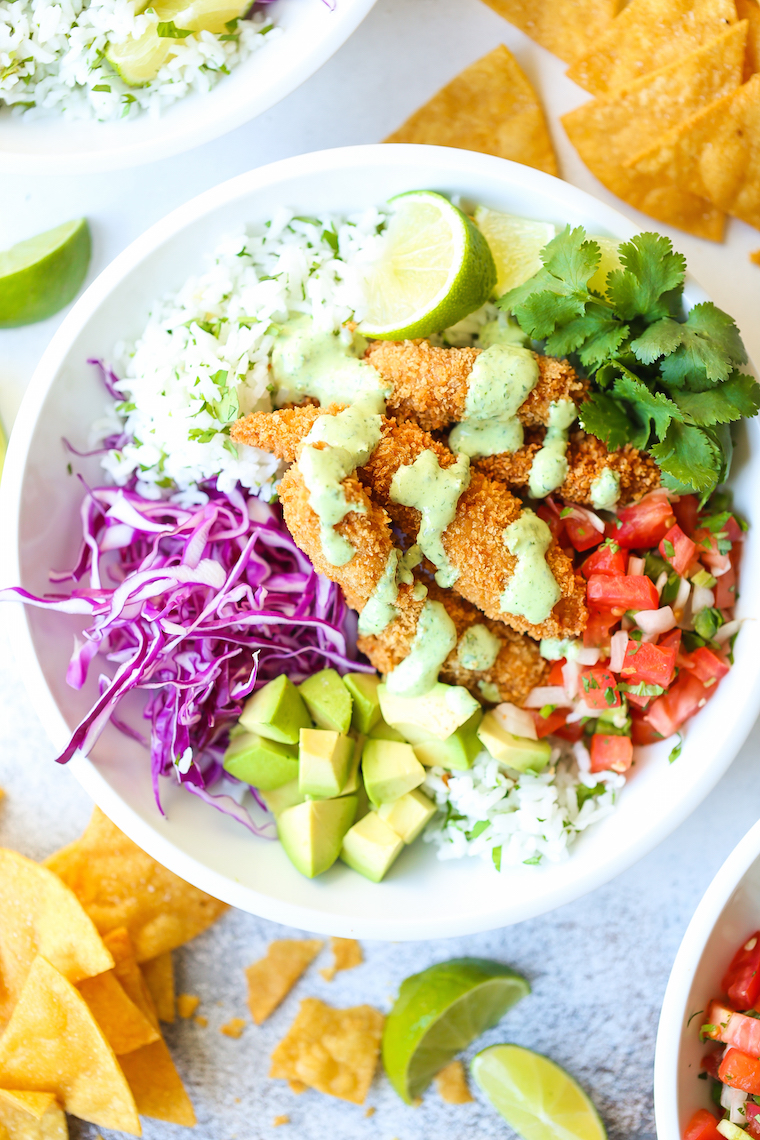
515 244
39 276
609 260
536 1097
434 270
439 1012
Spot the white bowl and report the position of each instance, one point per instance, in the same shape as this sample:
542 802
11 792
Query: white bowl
422 897
727 915
312 32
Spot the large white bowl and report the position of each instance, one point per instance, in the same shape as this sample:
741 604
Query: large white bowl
421 898
727 915
312 32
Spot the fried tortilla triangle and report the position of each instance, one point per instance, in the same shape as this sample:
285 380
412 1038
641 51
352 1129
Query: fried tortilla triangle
568 28
25 1118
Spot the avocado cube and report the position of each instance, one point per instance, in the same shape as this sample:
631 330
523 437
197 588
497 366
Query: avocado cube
457 751
276 712
312 832
511 751
279 799
264 763
390 770
371 846
328 700
439 712
363 805
324 762
363 690
353 780
383 731
409 815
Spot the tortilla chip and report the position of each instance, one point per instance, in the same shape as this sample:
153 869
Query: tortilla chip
297 1087
39 915
347 953
123 1025
53 1044
35 1104
755 257
750 10
271 979
156 1085
716 153
332 1050
119 885
490 107
451 1083
609 130
19 1123
234 1027
566 27
201 1020
278 1120
649 34
159 977
130 975
187 1004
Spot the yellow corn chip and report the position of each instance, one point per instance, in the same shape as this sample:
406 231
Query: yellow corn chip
234 1027
451 1083
20 1123
156 1085
649 34
278 1120
755 257
130 975
201 1020
35 1104
119 885
272 978
568 28
750 10
490 107
347 953
332 1050
123 1025
609 130
297 1087
39 915
159 976
52 1043
187 1004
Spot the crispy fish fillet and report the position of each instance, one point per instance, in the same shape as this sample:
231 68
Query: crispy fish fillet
281 433
430 384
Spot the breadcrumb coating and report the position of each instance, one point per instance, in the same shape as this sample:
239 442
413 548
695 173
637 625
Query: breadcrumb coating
281 433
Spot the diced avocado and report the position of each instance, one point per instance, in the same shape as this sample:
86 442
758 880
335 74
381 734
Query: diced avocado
408 815
390 770
353 780
279 799
511 751
457 751
312 832
276 711
328 700
324 761
370 847
139 59
383 731
440 711
363 689
264 763
363 805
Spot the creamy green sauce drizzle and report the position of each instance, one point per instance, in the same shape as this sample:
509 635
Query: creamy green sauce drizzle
502 378
307 361
434 491
605 490
478 648
490 691
549 468
380 609
503 330
434 640
532 591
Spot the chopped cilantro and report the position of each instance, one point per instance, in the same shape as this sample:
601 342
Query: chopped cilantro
496 856
533 861
547 711
688 1023
610 695
706 1030
675 751
583 793
642 689
669 548
168 30
478 829
102 87
707 623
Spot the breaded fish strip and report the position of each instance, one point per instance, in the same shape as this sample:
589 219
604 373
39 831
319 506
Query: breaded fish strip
587 457
281 433
430 384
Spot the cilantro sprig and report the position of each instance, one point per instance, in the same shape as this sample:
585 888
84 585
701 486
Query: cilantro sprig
662 381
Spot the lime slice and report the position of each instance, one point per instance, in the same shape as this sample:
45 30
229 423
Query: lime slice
435 269
536 1097
439 1012
39 276
610 260
515 244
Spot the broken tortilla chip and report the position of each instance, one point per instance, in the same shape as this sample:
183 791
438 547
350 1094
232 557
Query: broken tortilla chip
332 1050
347 953
750 10
755 257
156 1085
159 977
187 1004
490 107
119 885
125 1027
33 1103
39 915
272 978
451 1082
52 1043
607 131
130 975
20 1123
647 35
235 1027
567 28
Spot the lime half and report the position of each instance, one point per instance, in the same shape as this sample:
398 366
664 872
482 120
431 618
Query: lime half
435 269
439 1012
515 244
39 276
536 1097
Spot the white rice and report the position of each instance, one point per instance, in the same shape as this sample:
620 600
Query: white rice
51 58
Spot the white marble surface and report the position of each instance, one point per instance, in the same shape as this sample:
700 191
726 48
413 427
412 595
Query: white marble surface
599 967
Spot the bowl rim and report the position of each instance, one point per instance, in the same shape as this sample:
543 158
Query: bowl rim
457 163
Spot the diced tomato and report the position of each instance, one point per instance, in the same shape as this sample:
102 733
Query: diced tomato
707 550
605 560
686 510
644 524
725 589
702 1126
711 1062
638 701
742 978
545 725
598 688
622 592
753 1119
671 638
615 752
733 530
555 673
733 1028
550 513
596 635
685 696
705 664
570 732
641 730
677 549
652 664
581 533
740 1071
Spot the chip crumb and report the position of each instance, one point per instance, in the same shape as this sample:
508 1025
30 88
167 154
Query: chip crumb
755 257
233 1028
201 1020
278 1120
272 978
187 1004
347 953
370 1111
297 1087
451 1083
237 1100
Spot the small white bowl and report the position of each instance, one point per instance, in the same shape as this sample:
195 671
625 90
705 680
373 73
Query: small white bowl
422 897
311 33
727 915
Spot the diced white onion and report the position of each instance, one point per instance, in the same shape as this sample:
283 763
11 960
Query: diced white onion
719 571
702 599
636 565
584 515
570 674
733 1100
588 655
581 709
546 695
656 621
682 597
661 581
517 721
618 643
727 631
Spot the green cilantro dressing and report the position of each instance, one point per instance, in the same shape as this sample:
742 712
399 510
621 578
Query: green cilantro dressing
532 591
605 490
486 437
502 378
490 692
434 491
549 468
380 609
478 648
307 361
503 330
434 640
